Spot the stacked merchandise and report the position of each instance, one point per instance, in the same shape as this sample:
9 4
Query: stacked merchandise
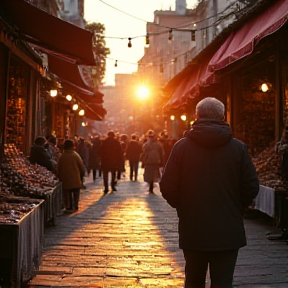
13 208
268 164
20 178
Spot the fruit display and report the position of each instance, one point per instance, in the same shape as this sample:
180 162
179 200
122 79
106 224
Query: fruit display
13 208
268 164
21 178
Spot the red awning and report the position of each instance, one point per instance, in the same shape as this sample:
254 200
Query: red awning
94 112
47 32
241 42
70 77
68 72
176 99
189 87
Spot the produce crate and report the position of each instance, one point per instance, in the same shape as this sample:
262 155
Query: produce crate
21 240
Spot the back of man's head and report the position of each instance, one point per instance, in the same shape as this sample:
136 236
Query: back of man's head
111 134
210 108
40 141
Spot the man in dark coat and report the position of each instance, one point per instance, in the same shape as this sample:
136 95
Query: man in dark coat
39 155
210 179
133 152
94 157
111 159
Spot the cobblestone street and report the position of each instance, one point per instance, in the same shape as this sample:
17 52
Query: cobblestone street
129 238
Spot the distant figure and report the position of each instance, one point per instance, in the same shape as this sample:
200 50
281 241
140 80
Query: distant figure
111 159
71 170
166 143
83 151
133 152
123 138
51 147
94 157
210 179
153 159
39 155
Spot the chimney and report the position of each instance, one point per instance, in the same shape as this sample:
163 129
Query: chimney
180 7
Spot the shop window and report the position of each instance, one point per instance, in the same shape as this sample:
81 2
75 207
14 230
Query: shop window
256 122
16 104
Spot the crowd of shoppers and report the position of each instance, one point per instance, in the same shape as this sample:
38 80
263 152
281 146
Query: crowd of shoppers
208 177
103 156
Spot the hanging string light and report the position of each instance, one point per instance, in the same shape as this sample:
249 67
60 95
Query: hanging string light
129 42
170 36
69 97
75 107
147 40
53 92
81 112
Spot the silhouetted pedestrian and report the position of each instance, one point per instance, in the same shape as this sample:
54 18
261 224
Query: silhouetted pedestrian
70 169
111 159
210 179
153 159
133 152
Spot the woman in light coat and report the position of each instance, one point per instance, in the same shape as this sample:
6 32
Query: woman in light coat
71 170
152 159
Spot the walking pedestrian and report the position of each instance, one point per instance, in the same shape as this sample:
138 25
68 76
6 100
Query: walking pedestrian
83 150
94 157
133 152
152 159
71 169
210 180
111 159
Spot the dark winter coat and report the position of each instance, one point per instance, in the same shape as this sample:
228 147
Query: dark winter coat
111 154
39 155
210 179
94 155
134 150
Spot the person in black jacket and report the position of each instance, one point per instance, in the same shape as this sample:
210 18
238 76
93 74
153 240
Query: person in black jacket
133 152
111 155
210 179
39 155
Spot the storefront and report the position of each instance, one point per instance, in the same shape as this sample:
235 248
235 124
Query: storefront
248 72
25 113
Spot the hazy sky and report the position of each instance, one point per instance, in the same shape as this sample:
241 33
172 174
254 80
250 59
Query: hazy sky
130 21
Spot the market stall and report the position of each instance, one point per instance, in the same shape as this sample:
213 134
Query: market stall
21 178
265 201
21 230
273 195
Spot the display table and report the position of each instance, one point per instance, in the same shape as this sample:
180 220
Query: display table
21 245
265 200
53 204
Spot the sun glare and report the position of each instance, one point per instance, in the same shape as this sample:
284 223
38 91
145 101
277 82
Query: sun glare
143 92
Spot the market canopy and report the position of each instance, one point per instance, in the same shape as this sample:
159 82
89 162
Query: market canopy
195 76
70 77
48 32
238 44
242 42
95 112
